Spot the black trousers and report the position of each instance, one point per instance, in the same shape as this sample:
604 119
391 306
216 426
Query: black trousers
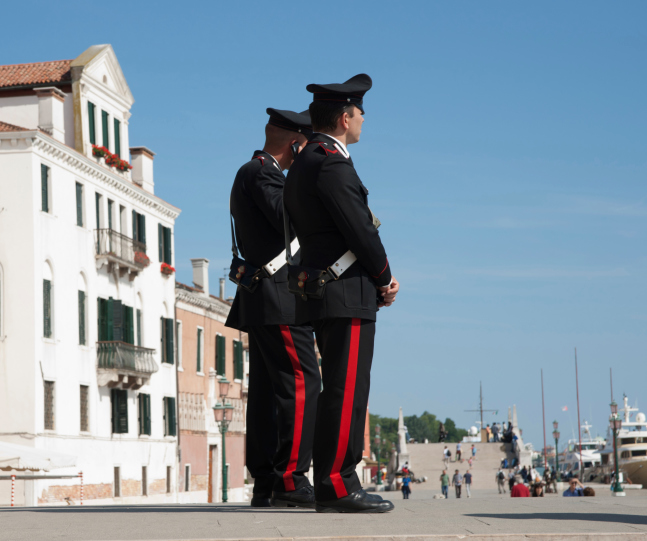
284 385
346 347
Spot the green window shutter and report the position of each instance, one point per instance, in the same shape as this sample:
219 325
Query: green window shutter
238 360
168 256
47 308
115 411
135 225
117 321
119 411
97 200
168 343
172 417
131 326
220 355
44 187
79 204
139 327
147 415
141 228
82 317
117 127
91 125
102 310
162 340
110 205
160 241
110 334
199 358
104 126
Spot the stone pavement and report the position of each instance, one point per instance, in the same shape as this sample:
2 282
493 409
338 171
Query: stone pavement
486 516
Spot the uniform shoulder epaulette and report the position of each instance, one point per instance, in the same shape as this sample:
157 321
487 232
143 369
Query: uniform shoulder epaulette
329 149
261 158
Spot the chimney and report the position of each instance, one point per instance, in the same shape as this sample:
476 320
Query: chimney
222 289
142 172
201 274
50 111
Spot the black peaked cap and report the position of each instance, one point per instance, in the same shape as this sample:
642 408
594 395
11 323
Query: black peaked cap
352 91
289 120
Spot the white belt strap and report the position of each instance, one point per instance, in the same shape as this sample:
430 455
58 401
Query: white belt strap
273 266
341 265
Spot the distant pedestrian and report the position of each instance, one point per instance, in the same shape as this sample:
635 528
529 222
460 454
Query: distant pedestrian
495 433
511 476
488 432
447 455
468 483
458 452
473 452
469 461
537 490
444 484
500 481
575 488
442 432
457 483
519 490
406 488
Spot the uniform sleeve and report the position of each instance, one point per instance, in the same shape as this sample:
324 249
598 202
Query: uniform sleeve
339 189
267 192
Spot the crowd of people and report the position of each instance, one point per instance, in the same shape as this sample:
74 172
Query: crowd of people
526 482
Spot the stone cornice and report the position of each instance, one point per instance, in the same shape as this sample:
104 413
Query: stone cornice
70 158
201 301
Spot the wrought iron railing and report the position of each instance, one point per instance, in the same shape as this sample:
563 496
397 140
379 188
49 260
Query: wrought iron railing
126 357
111 243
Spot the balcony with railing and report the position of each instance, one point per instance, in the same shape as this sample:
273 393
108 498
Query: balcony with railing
120 252
124 365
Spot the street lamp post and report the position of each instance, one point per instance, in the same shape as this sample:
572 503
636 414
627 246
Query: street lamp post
223 412
378 445
556 436
616 425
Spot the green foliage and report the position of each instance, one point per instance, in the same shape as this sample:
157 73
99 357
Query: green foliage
453 433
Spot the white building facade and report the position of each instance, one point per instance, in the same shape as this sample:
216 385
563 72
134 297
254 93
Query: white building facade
87 346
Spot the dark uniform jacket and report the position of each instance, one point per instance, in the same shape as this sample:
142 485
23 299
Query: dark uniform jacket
257 207
328 208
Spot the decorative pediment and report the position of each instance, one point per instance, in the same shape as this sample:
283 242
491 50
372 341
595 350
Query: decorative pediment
100 64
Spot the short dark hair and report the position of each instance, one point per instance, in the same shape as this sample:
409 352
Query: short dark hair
325 114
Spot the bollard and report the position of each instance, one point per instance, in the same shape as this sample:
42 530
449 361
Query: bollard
81 476
13 488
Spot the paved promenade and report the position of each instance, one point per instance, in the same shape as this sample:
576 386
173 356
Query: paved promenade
485 516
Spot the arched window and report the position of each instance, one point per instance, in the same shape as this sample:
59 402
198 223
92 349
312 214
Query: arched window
82 310
48 301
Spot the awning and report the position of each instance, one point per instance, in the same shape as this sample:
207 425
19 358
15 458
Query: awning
21 457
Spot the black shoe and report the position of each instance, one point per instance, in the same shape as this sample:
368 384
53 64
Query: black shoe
260 500
357 502
302 497
373 496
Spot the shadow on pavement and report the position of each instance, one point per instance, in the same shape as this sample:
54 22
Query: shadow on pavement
154 509
593 517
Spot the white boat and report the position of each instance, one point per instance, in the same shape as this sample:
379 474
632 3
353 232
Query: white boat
591 454
632 447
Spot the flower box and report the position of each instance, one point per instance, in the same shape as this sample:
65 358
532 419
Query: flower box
142 259
112 160
167 269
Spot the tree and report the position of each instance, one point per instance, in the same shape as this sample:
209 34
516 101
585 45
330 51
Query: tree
453 433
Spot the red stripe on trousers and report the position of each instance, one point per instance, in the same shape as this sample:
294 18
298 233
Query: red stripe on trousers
299 407
346 410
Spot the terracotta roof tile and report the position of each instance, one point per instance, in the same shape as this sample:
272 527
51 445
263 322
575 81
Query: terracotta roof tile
57 71
4 127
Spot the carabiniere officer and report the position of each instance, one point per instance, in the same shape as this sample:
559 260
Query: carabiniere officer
284 378
327 205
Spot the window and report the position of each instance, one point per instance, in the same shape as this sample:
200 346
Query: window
91 123
117 487
49 405
82 339
164 239
167 339
178 339
144 480
111 204
170 428
44 187
119 411
85 418
220 354
200 350
104 129
47 308
238 360
79 204
187 477
117 129
169 472
115 321
139 229
97 200
144 414
139 327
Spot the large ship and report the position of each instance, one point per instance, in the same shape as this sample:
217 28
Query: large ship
632 447
591 455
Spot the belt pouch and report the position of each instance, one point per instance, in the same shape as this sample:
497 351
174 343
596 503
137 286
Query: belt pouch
245 275
306 282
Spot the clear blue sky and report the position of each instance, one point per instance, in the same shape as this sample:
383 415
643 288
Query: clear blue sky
504 149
